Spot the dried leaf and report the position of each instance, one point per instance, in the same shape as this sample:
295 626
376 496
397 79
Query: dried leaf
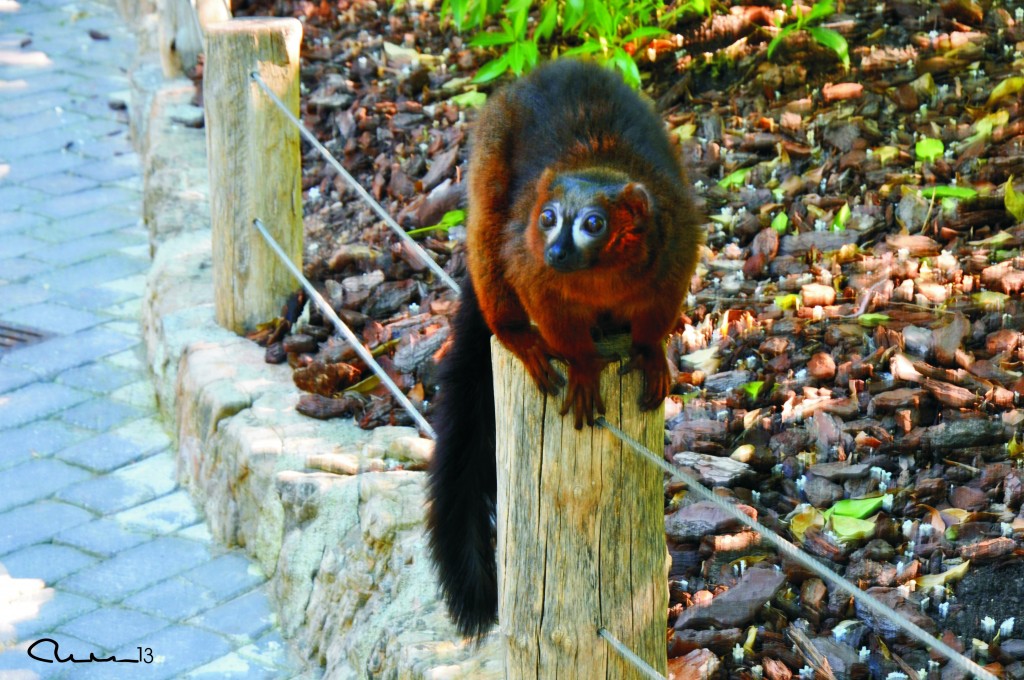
930 581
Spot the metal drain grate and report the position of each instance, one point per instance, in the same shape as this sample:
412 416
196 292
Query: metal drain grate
13 337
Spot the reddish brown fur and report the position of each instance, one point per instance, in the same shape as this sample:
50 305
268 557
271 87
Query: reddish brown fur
639 282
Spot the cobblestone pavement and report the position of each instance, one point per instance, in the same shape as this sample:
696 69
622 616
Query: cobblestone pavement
100 550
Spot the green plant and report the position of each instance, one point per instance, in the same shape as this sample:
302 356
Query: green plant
805 20
612 32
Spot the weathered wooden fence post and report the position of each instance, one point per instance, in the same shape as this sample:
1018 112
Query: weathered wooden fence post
180 31
581 534
255 165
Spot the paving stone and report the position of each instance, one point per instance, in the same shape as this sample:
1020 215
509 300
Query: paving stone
84 202
137 568
104 452
36 523
100 377
231 666
163 515
36 440
269 650
147 433
113 628
100 414
58 354
79 250
18 269
103 537
95 299
80 226
13 222
120 168
175 599
56 117
17 244
226 576
124 488
108 267
13 197
35 480
139 393
61 183
48 562
53 317
12 377
179 649
196 532
35 401
37 103
22 294
23 149
38 162
246 616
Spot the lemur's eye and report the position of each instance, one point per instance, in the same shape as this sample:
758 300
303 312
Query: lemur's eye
593 224
547 218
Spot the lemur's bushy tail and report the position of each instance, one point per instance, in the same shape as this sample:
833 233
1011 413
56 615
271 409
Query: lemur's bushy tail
461 483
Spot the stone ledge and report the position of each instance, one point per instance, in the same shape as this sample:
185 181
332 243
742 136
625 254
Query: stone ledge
345 553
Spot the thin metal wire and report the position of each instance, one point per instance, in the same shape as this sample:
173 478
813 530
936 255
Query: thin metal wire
629 655
345 331
363 193
794 553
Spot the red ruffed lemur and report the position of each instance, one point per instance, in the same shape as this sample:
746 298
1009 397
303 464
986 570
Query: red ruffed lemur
580 221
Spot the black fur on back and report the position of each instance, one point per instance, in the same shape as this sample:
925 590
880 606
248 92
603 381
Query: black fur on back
461 482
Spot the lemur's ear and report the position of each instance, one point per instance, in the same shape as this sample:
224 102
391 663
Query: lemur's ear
637 200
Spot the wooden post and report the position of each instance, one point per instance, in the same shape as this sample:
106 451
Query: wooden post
581 533
255 165
180 35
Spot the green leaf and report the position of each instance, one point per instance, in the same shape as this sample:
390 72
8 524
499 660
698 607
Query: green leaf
589 47
851 528
841 218
516 58
928 149
452 218
943 191
1013 201
753 389
871 320
857 507
625 64
832 40
780 222
785 302
518 11
995 240
491 69
644 32
469 100
736 178
548 21
779 37
820 10
491 39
